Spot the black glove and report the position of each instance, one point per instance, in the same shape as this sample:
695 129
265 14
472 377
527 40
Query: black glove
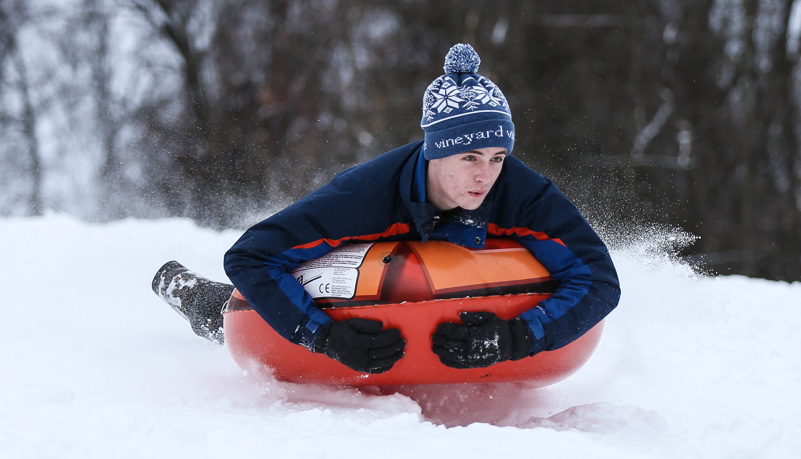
481 340
361 344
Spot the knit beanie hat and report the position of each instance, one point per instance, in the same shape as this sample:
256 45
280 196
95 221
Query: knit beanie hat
463 110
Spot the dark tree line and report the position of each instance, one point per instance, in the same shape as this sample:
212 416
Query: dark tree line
683 113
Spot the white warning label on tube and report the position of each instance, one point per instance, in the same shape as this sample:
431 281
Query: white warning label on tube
335 274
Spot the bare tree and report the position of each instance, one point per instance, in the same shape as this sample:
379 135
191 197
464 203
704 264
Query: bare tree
28 121
15 78
90 46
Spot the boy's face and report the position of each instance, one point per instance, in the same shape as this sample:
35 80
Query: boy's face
463 180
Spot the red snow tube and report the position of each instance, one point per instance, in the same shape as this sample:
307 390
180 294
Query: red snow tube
414 287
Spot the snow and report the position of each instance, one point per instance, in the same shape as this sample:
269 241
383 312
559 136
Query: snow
96 366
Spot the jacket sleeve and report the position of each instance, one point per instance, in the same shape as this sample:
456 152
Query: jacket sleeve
261 262
556 233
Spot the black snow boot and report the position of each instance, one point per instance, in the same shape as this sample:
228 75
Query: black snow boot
196 299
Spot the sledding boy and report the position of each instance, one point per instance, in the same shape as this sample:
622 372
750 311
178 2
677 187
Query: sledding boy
460 184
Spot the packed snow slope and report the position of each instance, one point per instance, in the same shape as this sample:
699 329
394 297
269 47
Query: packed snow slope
94 365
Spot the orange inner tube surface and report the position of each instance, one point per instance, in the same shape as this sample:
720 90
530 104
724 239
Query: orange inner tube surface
414 287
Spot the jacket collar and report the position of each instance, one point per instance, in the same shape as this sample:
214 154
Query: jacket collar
467 228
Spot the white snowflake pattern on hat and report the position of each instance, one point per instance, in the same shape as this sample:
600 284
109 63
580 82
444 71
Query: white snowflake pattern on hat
444 95
446 98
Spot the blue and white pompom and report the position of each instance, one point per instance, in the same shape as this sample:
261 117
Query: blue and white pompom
462 58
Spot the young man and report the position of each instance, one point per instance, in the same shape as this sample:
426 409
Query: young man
461 185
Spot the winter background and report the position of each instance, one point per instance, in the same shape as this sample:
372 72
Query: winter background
96 366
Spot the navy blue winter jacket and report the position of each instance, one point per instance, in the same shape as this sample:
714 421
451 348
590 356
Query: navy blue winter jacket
384 199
